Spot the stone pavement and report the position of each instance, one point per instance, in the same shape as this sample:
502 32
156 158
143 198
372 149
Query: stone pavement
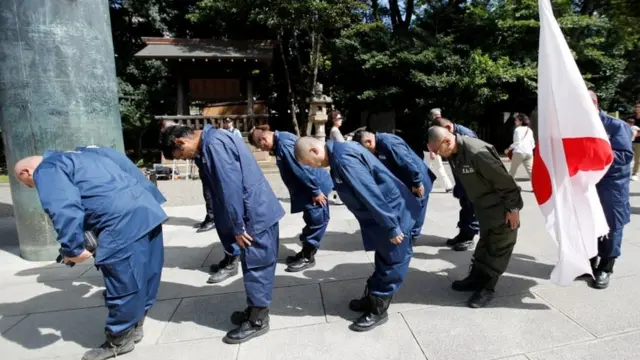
49 311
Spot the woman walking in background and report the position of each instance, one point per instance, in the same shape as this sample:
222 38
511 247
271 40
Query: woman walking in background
435 161
521 151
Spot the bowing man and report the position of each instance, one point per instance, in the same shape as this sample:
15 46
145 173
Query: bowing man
83 191
403 162
386 210
247 210
308 189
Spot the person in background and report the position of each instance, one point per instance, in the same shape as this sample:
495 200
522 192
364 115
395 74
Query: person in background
467 224
228 125
636 144
613 190
85 191
251 213
522 147
386 211
435 162
497 201
335 122
308 190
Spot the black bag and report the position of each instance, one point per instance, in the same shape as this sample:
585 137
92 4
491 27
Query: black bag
90 244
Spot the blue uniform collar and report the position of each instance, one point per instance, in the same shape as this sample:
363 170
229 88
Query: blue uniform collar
205 130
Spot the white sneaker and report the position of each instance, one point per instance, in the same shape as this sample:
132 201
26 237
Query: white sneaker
634 178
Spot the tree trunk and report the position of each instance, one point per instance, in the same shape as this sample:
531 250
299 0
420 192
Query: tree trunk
315 63
290 95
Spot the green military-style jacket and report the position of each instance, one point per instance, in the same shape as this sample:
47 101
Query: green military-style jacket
486 181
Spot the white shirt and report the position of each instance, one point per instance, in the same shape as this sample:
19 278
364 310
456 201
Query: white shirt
336 135
235 132
634 132
523 141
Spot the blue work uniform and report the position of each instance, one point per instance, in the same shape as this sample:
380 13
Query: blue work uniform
83 191
467 222
243 202
403 162
128 167
613 188
384 207
304 183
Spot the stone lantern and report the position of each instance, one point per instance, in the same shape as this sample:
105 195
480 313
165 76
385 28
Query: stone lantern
319 104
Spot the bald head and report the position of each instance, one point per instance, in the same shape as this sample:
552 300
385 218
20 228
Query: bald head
435 113
311 152
441 141
25 168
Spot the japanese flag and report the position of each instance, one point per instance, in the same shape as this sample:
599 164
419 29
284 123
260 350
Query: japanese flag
572 155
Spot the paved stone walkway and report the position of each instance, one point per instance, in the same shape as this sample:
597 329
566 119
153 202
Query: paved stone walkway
49 311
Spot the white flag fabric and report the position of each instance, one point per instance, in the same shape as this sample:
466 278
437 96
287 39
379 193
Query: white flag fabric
572 155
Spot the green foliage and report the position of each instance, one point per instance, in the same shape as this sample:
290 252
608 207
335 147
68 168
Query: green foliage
472 58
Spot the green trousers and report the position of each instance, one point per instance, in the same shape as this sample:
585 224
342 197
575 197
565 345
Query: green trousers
494 250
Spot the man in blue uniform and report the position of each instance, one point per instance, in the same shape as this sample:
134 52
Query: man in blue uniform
308 189
613 190
386 210
398 157
247 210
83 191
467 223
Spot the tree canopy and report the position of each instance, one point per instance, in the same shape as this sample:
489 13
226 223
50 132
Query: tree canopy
473 58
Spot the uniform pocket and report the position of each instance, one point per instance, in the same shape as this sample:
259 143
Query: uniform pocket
120 278
262 252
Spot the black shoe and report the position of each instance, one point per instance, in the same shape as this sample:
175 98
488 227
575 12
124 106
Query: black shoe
463 246
362 304
138 332
594 266
603 273
255 325
476 280
462 237
113 347
225 269
480 298
206 226
377 314
303 260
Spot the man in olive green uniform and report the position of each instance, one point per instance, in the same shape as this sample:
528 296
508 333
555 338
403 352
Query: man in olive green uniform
496 200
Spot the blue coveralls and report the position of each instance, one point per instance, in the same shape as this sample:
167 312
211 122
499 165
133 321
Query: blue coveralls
128 167
467 223
403 162
384 207
303 183
243 202
613 188
85 191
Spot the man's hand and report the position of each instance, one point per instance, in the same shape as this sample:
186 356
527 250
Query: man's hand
398 239
513 218
418 191
78 259
244 240
506 151
320 199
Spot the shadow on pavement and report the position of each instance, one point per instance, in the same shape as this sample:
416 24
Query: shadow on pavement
293 298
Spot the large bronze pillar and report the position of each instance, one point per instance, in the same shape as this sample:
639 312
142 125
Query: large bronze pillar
58 90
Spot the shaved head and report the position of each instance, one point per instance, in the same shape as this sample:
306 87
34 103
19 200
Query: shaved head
441 141
25 168
312 152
